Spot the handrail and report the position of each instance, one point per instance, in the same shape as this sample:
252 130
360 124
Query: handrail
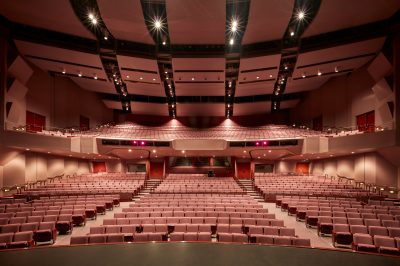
21 187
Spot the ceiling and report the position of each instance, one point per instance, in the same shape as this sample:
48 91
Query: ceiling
199 58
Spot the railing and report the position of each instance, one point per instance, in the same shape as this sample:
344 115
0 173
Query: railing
18 188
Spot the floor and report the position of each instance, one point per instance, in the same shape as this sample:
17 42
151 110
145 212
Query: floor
290 221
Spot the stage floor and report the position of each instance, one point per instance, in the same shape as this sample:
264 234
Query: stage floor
190 254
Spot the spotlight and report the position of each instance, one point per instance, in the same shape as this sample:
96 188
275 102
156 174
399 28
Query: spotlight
286 67
79 74
234 26
319 72
183 151
141 78
95 77
154 151
105 38
292 33
64 71
94 21
300 15
192 78
257 77
303 75
269 151
336 69
270 76
231 41
130 150
157 24
91 16
154 79
164 43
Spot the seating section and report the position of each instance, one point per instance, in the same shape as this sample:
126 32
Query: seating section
194 208
126 185
372 226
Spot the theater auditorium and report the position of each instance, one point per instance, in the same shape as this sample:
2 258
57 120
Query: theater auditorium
200 132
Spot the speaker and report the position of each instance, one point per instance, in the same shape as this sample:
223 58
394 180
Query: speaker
379 68
16 90
20 70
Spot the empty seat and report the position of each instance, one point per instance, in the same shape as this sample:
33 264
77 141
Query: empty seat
283 231
190 236
97 239
9 228
29 227
341 235
64 223
394 232
22 240
176 236
302 242
358 229
79 240
5 239
279 240
386 245
97 230
363 242
46 232
377 230
17 220
115 238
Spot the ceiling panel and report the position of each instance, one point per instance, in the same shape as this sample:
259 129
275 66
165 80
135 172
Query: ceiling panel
251 108
267 20
342 14
145 89
305 84
199 89
198 63
255 88
137 63
196 22
47 14
95 85
59 54
125 20
141 108
340 52
200 109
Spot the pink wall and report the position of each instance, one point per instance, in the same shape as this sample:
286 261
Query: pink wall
61 101
339 101
367 167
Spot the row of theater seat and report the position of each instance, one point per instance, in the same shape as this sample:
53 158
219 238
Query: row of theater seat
195 214
377 243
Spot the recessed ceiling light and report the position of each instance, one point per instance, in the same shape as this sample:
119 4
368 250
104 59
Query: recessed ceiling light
27 149
91 16
231 41
154 151
258 157
79 74
183 151
127 77
234 26
300 15
336 69
292 33
94 21
141 78
303 75
164 43
130 150
157 24
257 77
352 152
95 77
319 72
192 78
270 76
154 79
244 151
64 71
105 38
286 67
269 151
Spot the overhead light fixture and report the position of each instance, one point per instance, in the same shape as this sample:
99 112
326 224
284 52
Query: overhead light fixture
130 150
319 72
183 151
27 149
141 78
270 75
91 16
105 38
292 33
234 26
127 77
336 69
79 74
154 79
244 151
157 24
303 75
192 78
257 77
231 41
154 151
164 43
301 15
286 67
95 76
63 71
94 21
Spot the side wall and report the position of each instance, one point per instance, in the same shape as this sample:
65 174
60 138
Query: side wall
341 99
368 167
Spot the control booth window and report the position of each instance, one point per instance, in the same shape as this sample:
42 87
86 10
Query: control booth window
366 122
35 122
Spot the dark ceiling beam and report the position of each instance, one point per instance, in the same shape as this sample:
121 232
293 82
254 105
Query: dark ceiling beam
290 45
156 12
84 9
237 14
